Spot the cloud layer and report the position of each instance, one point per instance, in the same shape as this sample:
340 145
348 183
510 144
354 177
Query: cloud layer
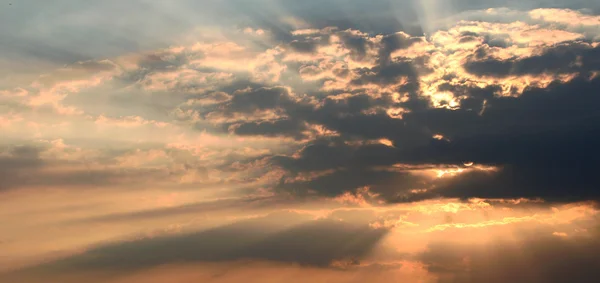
451 143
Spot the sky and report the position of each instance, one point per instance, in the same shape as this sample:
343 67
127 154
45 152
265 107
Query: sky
299 141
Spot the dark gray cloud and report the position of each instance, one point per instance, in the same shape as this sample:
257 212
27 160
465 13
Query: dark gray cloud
356 43
24 166
537 258
541 132
282 127
344 168
386 74
392 186
15 165
188 209
79 178
541 140
284 237
565 58
257 99
393 42
309 44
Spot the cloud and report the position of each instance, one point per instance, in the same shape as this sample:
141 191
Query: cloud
360 106
331 141
540 258
283 127
470 93
544 151
280 237
436 239
51 164
560 59
188 209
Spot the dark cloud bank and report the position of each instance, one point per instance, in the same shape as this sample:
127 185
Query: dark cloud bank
541 140
279 237
291 238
